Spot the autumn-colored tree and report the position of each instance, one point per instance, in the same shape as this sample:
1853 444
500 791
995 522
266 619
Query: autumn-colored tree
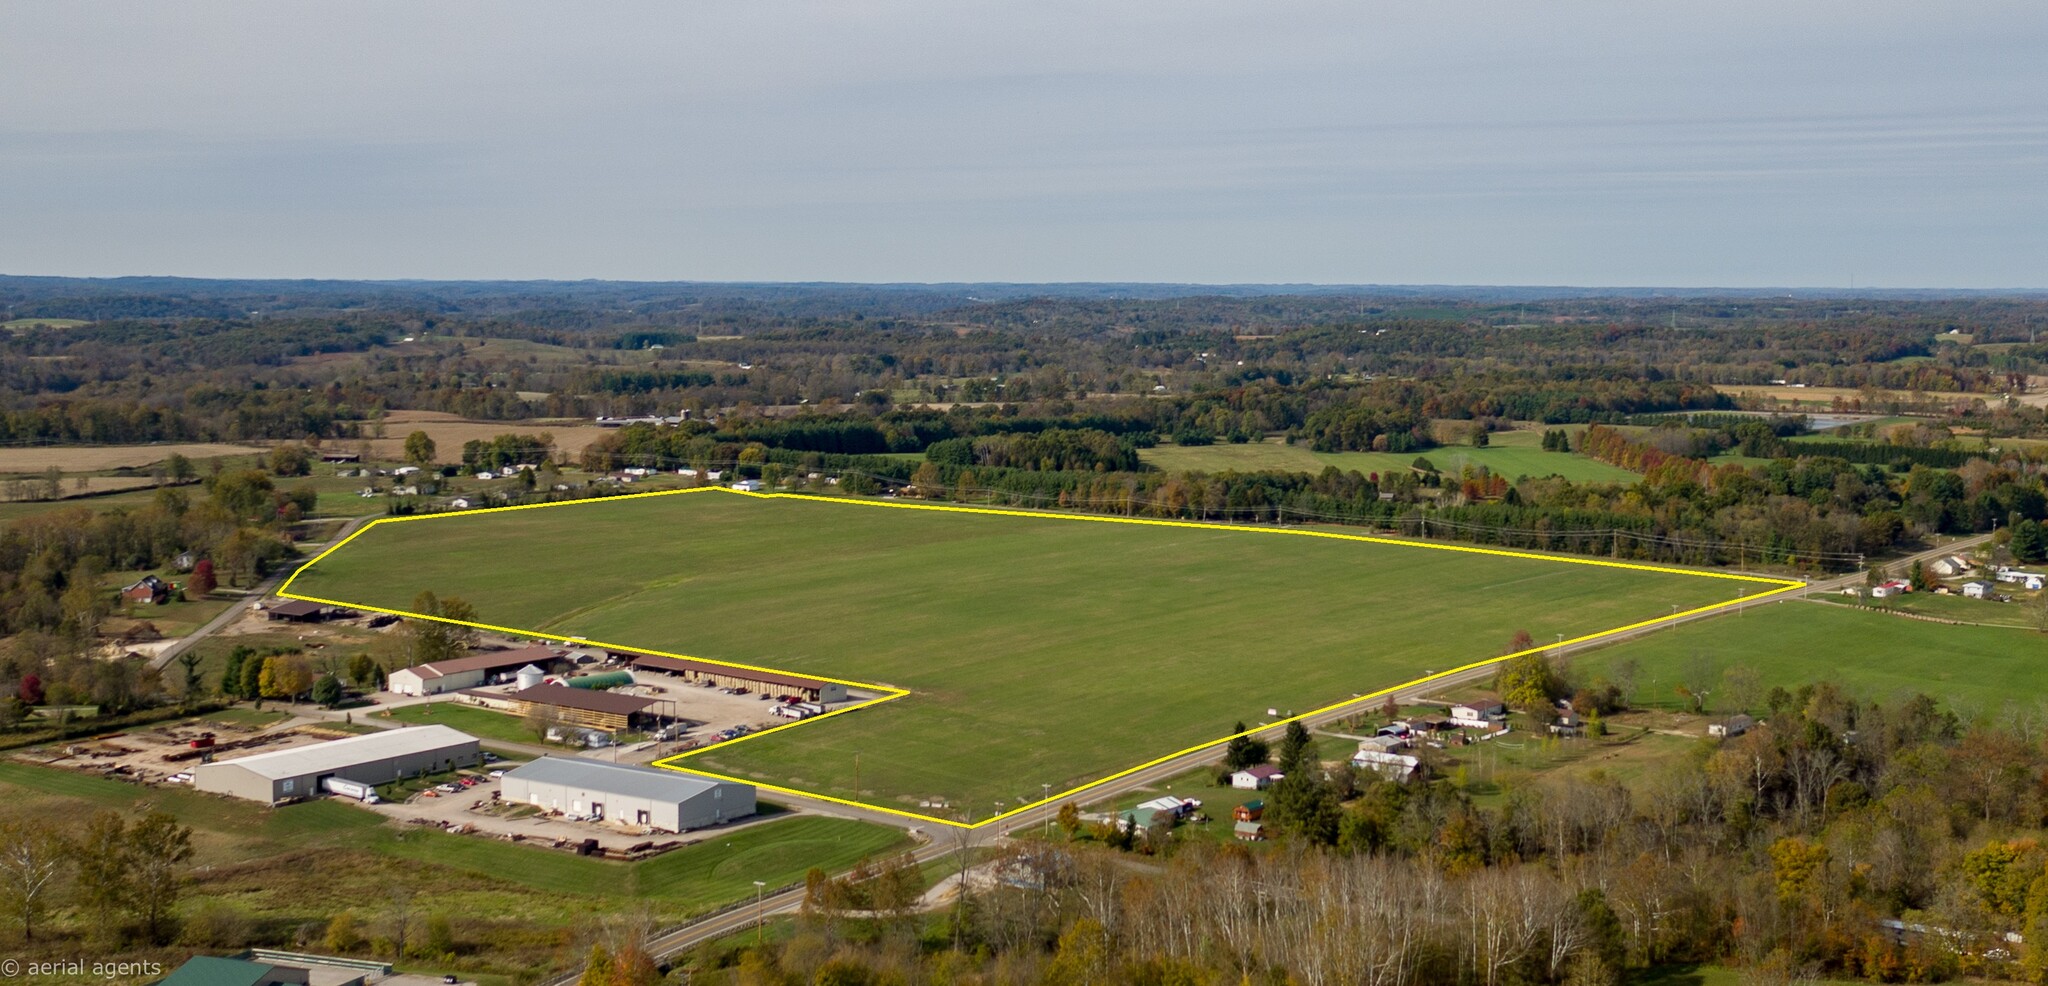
202 581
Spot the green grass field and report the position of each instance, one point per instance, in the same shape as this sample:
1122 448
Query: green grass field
1038 649
691 878
1875 656
1513 454
478 722
2023 612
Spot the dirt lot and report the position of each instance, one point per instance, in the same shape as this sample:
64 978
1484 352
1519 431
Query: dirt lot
156 753
449 432
87 458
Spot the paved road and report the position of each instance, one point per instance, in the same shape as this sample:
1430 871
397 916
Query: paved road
235 610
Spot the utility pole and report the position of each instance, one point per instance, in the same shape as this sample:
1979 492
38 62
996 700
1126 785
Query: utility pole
759 916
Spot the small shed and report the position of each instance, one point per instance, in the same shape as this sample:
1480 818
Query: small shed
1250 811
1249 831
1731 727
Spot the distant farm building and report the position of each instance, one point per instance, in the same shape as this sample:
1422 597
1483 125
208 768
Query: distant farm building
1249 831
1978 589
467 672
727 676
146 591
299 611
1951 566
1731 727
650 797
373 758
1395 766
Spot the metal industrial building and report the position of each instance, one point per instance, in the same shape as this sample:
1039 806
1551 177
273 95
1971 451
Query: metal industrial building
647 796
373 758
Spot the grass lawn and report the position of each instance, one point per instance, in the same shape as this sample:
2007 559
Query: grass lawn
1513 454
1059 648
1493 768
2024 612
1705 975
1792 643
478 722
693 878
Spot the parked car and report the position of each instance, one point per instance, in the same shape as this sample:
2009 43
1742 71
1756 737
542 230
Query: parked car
497 775
447 788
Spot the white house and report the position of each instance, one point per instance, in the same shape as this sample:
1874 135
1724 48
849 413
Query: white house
1479 712
487 474
405 470
1977 590
749 486
1885 590
459 503
1256 778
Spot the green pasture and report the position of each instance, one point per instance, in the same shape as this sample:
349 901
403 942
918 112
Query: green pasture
1038 649
1870 654
1513 454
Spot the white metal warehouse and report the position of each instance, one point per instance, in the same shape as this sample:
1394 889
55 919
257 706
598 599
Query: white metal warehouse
648 796
373 758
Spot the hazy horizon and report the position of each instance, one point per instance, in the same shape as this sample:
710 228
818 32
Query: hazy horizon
1743 146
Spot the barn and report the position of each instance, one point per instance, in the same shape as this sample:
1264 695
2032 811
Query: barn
373 758
467 672
648 797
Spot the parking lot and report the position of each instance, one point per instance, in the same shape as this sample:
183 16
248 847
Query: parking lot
477 810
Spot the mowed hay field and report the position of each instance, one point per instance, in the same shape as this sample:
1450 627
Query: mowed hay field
1042 649
1513 454
1869 654
449 431
90 458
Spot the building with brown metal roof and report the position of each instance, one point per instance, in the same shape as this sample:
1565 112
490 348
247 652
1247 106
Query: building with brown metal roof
728 676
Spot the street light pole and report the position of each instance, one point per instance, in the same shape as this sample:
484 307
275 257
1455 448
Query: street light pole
758 916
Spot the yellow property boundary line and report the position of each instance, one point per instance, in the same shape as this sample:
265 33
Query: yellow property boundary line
889 693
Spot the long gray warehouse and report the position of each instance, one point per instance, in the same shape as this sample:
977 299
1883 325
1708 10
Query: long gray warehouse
373 758
651 796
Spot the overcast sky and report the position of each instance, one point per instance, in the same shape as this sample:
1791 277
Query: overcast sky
1898 143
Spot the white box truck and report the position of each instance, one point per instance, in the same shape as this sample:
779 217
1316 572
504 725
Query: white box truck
350 789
